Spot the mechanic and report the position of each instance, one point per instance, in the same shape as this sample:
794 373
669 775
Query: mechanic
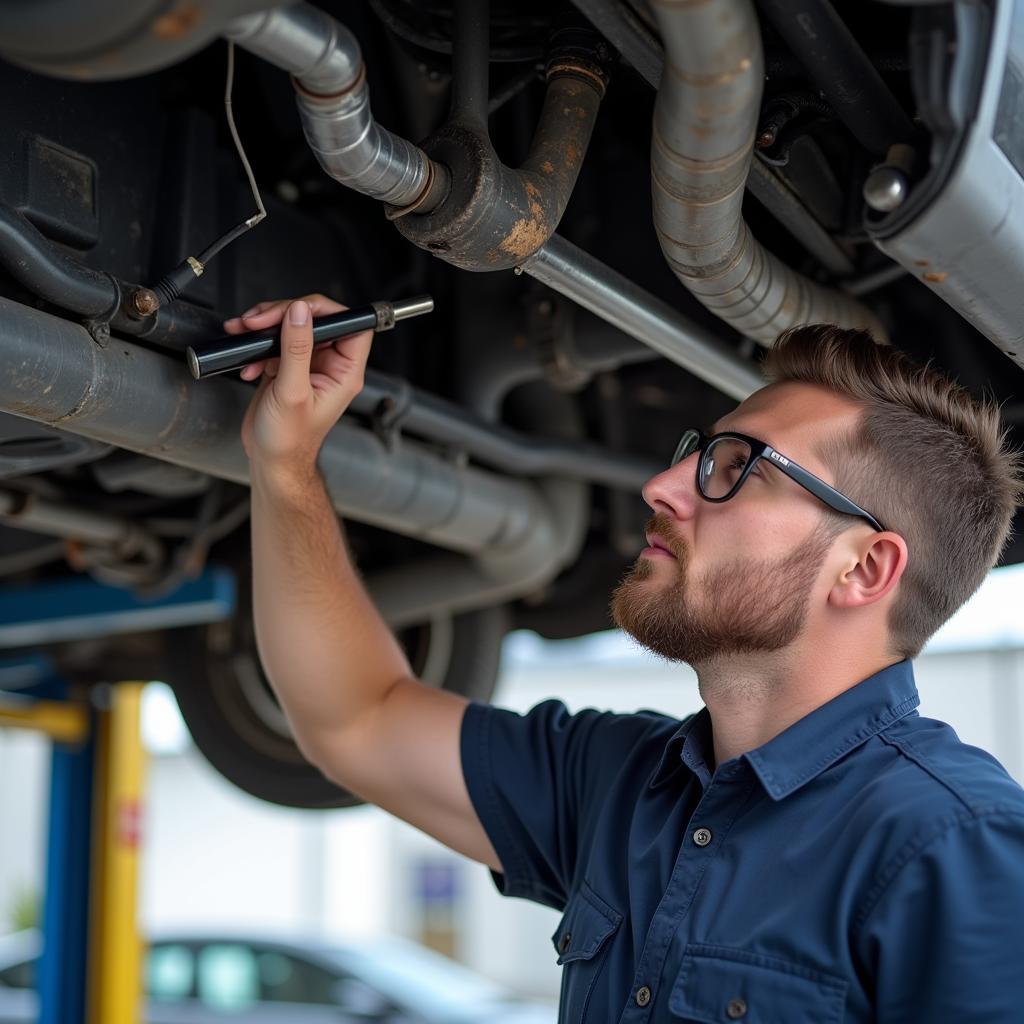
806 848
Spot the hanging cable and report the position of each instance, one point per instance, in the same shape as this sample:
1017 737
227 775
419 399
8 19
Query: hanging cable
174 283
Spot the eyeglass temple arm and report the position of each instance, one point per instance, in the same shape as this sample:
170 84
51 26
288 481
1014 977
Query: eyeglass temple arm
828 494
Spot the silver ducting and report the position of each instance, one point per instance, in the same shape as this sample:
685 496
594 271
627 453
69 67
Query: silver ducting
705 119
510 537
334 103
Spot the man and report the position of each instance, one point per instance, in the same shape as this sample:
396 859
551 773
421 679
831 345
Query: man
806 849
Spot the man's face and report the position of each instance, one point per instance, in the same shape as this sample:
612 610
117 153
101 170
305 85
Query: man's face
739 577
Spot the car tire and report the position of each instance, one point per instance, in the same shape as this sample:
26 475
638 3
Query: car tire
237 724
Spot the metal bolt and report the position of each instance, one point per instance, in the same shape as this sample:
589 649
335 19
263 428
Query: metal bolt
767 138
144 301
885 189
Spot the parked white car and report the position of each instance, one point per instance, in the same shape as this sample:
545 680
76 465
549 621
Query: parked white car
250 979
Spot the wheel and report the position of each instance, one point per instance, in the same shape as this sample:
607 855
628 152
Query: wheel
239 727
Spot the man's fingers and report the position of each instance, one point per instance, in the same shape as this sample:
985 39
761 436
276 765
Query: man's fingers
262 308
346 357
253 370
322 306
296 351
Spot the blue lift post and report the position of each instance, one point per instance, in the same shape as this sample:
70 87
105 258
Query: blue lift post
74 973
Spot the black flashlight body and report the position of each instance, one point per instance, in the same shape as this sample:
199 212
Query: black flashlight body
238 350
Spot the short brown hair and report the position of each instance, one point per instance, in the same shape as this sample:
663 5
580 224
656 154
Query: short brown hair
927 459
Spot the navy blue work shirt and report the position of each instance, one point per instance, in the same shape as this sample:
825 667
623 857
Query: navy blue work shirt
863 865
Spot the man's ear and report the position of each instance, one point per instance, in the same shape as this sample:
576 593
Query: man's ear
873 570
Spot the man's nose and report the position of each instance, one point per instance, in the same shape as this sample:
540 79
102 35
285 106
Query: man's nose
675 489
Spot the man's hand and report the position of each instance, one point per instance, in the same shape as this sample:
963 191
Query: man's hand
303 393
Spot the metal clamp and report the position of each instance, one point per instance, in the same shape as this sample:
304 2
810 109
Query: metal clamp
99 326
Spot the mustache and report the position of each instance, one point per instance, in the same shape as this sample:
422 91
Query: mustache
660 525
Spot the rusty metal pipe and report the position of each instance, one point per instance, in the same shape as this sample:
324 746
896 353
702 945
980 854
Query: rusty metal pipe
705 119
496 217
508 536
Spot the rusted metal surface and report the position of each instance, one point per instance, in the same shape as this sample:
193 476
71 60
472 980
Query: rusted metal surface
144 301
495 217
182 20
106 41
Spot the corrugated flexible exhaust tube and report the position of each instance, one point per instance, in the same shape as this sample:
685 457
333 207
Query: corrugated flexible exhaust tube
705 120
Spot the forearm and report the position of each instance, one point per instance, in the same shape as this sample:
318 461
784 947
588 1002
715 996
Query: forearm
328 654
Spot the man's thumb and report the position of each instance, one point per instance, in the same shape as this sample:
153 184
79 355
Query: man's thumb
296 352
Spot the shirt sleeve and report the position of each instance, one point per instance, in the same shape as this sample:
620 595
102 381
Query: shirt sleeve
536 779
943 942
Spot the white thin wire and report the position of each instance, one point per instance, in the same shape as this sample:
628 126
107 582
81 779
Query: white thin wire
256 217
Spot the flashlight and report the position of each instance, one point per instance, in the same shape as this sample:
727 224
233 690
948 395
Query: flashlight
238 350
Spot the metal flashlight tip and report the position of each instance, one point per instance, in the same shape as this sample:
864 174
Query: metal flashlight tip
417 306
193 362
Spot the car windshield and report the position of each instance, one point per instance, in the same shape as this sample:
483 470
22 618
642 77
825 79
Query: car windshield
423 978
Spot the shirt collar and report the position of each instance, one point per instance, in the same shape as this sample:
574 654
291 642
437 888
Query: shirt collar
813 743
692 738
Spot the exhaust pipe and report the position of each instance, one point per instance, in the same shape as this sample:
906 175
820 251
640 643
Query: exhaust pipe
507 537
326 65
705 119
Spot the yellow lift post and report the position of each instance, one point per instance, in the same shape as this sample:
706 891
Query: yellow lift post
115 944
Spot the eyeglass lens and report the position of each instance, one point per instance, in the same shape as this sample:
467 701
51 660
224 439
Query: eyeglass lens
724 462
687 446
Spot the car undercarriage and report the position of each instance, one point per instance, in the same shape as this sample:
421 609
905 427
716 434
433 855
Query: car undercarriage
615 207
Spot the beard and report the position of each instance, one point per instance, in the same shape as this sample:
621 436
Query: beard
744 606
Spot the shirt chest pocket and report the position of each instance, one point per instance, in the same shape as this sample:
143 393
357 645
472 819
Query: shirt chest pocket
719 985
582 941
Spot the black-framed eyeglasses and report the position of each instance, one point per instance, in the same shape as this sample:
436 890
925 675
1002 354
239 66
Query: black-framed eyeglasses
726 460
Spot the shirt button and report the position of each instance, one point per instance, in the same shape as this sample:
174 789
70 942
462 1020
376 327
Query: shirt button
563 945
736 1009
702 836
643 996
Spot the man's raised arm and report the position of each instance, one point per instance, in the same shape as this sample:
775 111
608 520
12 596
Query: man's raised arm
355 708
